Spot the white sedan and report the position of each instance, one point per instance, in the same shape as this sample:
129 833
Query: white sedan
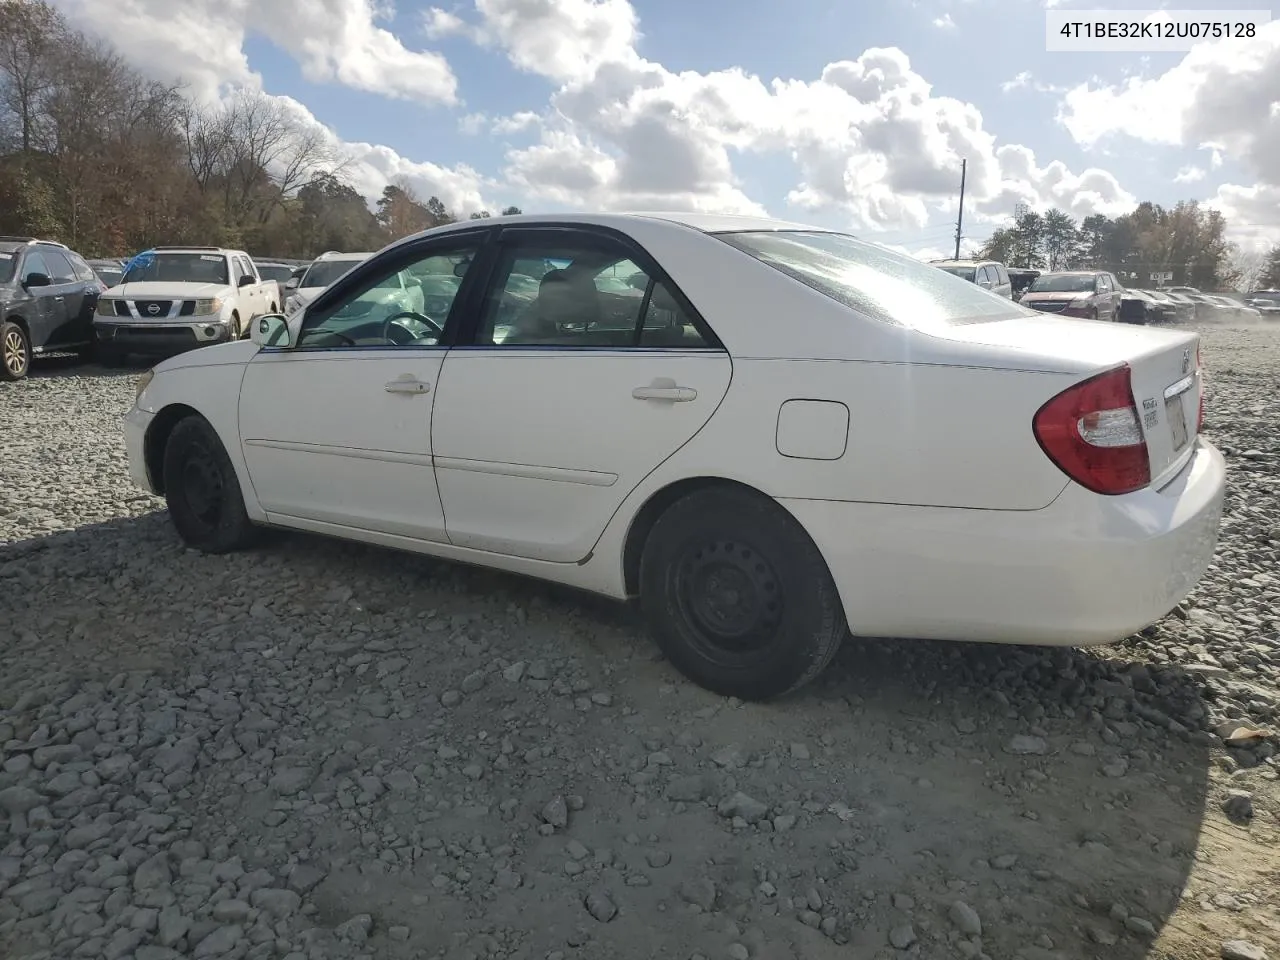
775 435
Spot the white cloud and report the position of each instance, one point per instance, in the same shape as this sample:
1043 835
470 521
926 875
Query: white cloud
201 43
944 22
1190 174
334 41
869 137
1220 96
1252 212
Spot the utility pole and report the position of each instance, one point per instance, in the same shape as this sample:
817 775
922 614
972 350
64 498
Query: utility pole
960 214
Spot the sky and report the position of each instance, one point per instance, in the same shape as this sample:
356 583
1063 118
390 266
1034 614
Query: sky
835 113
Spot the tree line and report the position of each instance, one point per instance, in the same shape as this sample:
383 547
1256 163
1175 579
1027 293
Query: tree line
97 156
1187 241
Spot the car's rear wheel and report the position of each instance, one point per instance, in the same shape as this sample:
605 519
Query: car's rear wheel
15 351
202 490
738 596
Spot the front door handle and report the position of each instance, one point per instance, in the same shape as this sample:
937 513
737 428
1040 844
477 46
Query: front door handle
664 388
407 385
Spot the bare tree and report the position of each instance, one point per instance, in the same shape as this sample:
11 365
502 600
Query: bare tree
1250 266
30 30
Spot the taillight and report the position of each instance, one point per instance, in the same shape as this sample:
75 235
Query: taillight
1093 432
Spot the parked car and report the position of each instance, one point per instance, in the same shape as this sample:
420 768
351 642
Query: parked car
317 275
1233 309
1155 308
760 505
108 271
987 274
47 297
398 293
172 299
272 271
1266 302
1180 309
1084 294
1135 307
1019 279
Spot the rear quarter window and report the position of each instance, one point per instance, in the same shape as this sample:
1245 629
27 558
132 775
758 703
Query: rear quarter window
874 281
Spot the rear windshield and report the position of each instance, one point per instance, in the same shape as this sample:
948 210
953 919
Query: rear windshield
964 273
6 267
1063 283
274 271
873 280
324 272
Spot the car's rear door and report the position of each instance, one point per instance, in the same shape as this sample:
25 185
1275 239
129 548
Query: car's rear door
551 410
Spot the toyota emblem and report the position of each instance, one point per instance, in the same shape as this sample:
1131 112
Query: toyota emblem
153 309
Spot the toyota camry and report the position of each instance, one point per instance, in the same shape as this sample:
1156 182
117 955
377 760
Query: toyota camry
771 435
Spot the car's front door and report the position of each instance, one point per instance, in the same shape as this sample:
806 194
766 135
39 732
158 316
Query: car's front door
566 391
337 429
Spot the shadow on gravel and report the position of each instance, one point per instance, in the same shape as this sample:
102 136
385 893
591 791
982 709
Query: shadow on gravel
1056 794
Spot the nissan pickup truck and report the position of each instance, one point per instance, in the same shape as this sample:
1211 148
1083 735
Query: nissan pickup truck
173 299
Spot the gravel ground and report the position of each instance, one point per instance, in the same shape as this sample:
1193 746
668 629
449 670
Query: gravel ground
318 750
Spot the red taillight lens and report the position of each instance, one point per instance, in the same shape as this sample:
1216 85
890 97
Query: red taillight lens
1092 431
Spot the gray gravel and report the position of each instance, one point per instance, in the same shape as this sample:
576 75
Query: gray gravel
316 750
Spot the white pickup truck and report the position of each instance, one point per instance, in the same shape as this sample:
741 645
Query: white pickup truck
172 299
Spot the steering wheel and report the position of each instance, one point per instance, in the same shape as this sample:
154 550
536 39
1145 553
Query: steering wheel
392 320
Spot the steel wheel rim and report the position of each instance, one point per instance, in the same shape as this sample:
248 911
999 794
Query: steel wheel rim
732 597
202 485
15 352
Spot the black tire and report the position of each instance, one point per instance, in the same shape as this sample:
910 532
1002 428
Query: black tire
237 332
789 620
15 351
202 490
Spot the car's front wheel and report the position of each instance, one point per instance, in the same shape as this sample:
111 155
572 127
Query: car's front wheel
738 596
15 351
202 490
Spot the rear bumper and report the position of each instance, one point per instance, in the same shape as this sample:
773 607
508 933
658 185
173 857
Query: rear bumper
1084 570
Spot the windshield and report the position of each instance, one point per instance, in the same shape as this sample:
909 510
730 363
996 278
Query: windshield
275 271
873 280
324 272
109 275
1063 283
1267 301
964 273
6 267
177 268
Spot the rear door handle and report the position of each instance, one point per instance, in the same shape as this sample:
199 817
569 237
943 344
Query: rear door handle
664 388
407 386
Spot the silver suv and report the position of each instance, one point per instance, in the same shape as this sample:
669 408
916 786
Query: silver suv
987 274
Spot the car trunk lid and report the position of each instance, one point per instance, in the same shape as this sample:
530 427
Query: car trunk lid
1165 373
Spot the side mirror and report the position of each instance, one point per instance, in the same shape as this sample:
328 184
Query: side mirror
460 269
246 280
37 280
985 284
272 330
